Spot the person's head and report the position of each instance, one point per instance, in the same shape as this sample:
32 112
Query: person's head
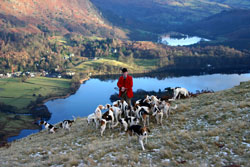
124 72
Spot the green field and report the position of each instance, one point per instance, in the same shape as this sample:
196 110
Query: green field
19 94
103 65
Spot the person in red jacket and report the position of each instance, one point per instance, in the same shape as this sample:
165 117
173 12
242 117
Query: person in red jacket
125 84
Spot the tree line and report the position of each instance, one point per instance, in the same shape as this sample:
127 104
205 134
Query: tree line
39 52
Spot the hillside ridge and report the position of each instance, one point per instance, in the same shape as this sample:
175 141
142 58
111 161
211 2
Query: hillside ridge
65 16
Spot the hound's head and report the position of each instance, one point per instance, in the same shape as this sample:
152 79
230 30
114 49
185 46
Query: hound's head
107 106
42 122
145 131
147 98
101 107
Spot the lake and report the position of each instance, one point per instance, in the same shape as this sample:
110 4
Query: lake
95 91
183 41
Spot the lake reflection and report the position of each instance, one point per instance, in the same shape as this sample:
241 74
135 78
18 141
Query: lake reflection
95 92
181 41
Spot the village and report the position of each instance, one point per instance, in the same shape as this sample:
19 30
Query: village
29 74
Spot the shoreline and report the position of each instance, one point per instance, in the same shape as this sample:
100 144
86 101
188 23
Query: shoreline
64 96
17 132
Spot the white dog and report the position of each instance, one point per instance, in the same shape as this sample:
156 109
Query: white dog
98 114
180 91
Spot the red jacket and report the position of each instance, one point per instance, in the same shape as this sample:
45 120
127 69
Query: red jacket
127 83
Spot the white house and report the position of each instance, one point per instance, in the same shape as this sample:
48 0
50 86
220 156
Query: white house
9 75
70 73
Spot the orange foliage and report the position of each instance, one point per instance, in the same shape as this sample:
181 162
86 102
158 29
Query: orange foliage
53 14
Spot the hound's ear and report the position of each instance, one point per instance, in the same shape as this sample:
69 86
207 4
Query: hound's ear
140 131
148 130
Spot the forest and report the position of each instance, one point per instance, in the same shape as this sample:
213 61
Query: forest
51 52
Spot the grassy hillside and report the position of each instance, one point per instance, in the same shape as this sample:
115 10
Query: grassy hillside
19 94
208 130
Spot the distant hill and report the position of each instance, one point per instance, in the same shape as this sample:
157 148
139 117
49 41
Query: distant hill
64 16
229 27
242 4
147 18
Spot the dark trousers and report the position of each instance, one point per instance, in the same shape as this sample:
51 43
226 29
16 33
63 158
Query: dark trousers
124 96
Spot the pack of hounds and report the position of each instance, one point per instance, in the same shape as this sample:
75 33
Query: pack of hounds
134 119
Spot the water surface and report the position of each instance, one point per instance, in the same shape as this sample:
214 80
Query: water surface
185 41
95 92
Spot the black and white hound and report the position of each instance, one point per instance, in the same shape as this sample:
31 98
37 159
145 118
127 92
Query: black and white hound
141 132
66 124
51 128
128 121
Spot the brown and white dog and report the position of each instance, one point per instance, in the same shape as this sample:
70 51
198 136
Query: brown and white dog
166 107
151 99
158 113
117 112
143 114
141 133
48 126
103 124
98 114
109 116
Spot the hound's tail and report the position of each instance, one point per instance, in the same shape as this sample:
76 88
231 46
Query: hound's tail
115 124
74 118
171 99
175 107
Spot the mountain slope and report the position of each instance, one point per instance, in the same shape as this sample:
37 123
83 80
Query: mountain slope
228 27
63 16
147 18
